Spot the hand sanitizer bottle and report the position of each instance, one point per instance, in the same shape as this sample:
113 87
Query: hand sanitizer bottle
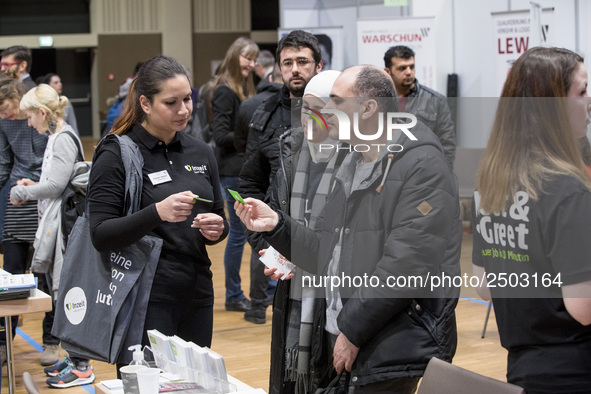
138 356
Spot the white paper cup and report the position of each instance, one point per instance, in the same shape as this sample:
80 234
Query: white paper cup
147 379
129 378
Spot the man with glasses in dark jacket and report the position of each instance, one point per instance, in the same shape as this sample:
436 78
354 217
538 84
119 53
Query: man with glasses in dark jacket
299 59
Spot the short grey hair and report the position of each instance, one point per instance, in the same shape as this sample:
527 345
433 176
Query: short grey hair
266 59
373 82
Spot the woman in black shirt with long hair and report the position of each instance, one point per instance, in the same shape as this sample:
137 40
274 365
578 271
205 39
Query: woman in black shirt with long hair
177 167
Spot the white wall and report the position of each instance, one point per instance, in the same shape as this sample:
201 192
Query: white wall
474 49
176 28
346 17
564 11
584 16
465 44
293 19
442 10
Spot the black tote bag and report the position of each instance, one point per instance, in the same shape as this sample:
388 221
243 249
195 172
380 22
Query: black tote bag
99 294
103 297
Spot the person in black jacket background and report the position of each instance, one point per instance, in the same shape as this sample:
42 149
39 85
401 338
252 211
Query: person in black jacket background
426 104
299 59
250 105
233 83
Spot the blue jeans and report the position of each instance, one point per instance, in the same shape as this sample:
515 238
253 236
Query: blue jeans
234 244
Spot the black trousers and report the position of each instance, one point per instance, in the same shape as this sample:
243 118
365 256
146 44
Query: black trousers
391 386
193 324
259 282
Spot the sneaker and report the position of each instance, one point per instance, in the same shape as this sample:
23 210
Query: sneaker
58 368
50 355
240 306
256 315
72 376
2 355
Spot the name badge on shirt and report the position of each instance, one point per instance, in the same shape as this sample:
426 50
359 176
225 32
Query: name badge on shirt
159 177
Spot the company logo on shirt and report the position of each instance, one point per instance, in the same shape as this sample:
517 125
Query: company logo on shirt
196 169
505 235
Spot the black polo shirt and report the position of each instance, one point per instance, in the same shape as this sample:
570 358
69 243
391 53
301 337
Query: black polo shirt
183 274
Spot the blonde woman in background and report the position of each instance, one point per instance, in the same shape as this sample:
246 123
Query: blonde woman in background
44 109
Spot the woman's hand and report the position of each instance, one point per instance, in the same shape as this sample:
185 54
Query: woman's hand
256 215
13 200
17 202
176 208
25 182
211 225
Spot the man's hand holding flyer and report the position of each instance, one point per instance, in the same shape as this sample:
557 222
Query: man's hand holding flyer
273 259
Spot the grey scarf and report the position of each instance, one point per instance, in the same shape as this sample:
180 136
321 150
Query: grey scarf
301 314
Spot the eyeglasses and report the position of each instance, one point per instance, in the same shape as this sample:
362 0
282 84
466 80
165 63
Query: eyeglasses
249 59
6 65
301 62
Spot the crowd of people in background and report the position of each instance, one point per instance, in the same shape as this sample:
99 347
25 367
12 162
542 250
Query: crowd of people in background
332 197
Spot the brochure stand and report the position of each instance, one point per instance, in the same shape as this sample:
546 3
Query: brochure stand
209 382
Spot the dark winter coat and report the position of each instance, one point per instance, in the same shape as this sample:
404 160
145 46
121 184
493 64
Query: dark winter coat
225 105
247 110
269 122
386 234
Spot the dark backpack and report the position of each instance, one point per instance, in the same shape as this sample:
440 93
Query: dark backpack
74 197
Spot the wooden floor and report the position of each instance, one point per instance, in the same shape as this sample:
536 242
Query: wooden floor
245 346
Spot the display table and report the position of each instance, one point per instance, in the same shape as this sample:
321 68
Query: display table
37 302
240 386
